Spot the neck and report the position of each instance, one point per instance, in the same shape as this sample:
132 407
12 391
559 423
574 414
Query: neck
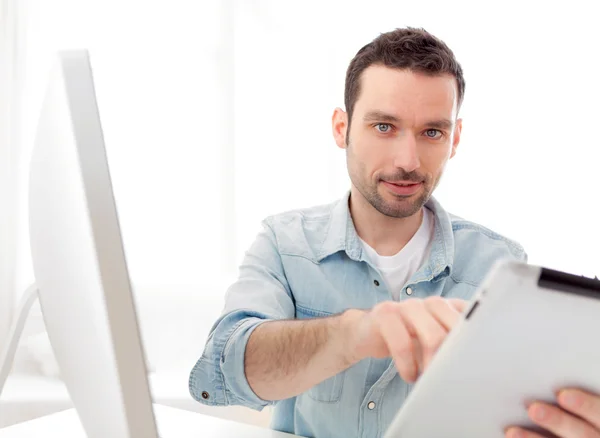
386 235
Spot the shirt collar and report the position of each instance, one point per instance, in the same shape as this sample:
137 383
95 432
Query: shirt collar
341 236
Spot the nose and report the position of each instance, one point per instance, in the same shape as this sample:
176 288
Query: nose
405 152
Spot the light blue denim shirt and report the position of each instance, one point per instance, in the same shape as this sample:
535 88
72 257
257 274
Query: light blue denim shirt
310 263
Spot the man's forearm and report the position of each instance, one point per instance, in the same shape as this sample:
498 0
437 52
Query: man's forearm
285 358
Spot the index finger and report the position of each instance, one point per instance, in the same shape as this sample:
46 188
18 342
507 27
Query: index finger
400 344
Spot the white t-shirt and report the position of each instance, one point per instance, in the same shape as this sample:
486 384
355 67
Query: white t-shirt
397 269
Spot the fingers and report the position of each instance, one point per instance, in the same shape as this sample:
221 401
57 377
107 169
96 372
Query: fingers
420 323
582 404
577 416
413 330
398 340
560 423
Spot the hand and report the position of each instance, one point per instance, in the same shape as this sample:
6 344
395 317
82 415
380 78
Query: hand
410 332
578 416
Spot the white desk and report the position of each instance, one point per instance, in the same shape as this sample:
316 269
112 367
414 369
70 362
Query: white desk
171 423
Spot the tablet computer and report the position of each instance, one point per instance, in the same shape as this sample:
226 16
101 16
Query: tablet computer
529 332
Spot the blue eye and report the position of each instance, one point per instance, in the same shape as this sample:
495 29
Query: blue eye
384 125
434 132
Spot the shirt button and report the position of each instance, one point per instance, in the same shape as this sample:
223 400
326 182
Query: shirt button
409 291
376 282
205 395
371 405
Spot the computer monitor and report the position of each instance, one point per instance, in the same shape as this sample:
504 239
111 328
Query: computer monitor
79 261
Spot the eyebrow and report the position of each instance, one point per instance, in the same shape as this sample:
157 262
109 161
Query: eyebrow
379 116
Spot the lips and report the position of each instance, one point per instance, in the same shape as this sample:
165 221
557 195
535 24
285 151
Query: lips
403 188
403 184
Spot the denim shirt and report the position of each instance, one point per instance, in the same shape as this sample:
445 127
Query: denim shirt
310 263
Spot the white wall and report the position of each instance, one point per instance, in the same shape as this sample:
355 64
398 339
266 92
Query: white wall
155 74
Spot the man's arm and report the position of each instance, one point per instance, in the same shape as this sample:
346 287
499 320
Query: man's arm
285 358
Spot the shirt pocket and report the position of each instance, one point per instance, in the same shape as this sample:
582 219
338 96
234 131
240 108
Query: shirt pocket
329 390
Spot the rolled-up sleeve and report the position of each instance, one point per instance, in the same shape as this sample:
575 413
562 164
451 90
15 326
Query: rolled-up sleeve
261 293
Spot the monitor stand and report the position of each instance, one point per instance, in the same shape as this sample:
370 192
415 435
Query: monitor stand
8 353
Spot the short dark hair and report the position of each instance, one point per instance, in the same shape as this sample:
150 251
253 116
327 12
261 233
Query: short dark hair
408 48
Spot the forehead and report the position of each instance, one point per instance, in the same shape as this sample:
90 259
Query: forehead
407 94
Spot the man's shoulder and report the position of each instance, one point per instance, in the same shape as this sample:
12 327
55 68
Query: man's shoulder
301 231
477 248
471 233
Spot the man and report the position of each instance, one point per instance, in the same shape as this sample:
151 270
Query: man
338 308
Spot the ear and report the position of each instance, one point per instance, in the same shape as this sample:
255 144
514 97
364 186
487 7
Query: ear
339 125
457 133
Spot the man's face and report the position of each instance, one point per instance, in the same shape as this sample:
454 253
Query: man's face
403 131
